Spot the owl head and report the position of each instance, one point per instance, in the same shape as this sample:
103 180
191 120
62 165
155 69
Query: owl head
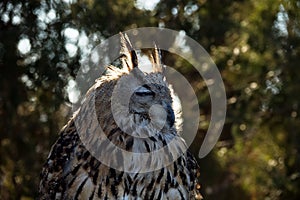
132 110
141 100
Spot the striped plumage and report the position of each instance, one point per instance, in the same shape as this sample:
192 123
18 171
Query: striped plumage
72 172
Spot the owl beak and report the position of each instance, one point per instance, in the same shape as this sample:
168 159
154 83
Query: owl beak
170 113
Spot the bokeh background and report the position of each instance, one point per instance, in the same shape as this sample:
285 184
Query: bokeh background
255 44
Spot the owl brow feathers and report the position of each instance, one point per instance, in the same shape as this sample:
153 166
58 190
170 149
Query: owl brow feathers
155 60
127 53
129 59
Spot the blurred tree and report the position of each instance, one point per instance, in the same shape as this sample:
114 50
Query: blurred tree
41 45
255 44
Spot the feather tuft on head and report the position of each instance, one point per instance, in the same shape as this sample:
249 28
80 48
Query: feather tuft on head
127 53
155 60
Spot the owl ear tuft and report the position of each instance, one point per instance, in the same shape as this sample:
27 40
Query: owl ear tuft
155 60
127 53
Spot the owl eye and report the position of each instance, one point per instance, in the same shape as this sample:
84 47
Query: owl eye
144 91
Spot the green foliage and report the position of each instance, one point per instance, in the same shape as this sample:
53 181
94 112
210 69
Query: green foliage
255 44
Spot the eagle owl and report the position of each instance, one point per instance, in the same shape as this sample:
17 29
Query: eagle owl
139 123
